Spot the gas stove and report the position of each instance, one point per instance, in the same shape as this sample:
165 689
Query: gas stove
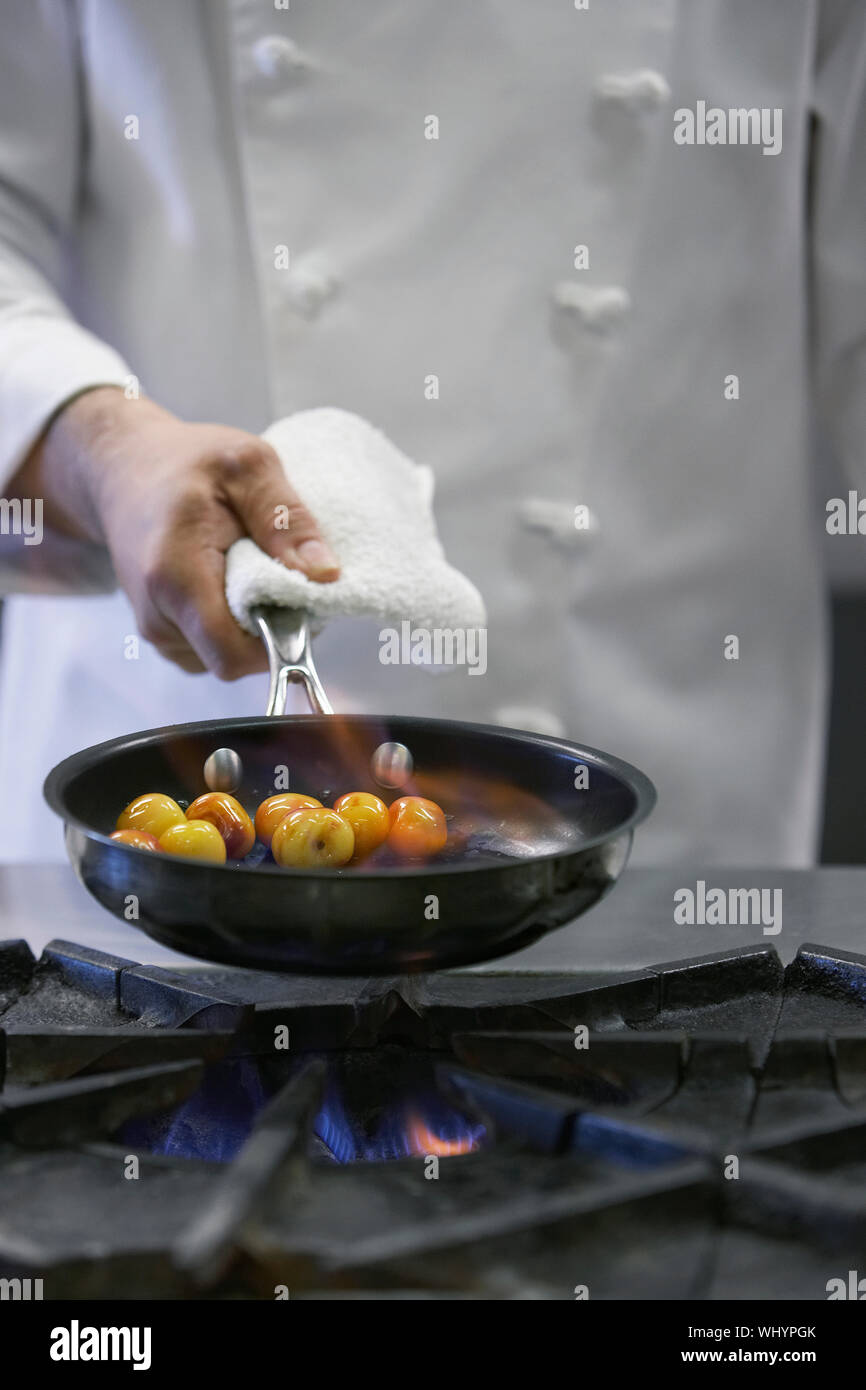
694 1130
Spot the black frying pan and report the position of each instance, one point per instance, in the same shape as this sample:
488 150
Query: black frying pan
528 850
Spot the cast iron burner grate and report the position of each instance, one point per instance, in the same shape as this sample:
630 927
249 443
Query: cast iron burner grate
605 1169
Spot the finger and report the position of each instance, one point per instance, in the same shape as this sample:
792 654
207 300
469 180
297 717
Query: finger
223 647
273 514
184 657
194 601
169 641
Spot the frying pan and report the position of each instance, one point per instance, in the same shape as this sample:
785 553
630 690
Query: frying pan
533 850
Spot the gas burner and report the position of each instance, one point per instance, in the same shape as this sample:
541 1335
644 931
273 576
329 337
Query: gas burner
693 1130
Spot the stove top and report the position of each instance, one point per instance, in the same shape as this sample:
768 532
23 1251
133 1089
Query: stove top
696 1130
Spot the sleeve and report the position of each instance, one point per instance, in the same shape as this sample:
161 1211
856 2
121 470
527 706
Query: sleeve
838 230
45 356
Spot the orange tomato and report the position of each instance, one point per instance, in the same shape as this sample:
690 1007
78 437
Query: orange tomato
139 839
195 839
153 812
276 808
230 819
368 817
313 838
418 827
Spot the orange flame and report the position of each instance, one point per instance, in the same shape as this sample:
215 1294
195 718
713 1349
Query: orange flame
423 1141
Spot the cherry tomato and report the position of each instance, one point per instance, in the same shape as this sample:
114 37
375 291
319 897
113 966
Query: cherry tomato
418 827
368 817
195 839
313 838
139 839
153 812
275 808
230 819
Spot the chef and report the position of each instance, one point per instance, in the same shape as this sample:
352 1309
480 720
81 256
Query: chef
604 323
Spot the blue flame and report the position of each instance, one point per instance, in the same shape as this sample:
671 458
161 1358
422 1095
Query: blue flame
395 1136
216 1121
213 1123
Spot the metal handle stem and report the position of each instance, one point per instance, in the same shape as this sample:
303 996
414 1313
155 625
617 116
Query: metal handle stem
286 635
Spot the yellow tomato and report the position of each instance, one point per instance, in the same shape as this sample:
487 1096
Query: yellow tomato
418 827
195 839
276 808
368 817
230 819
153 812
139 839
313 838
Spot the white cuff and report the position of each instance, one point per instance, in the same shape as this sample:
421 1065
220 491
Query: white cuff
44 362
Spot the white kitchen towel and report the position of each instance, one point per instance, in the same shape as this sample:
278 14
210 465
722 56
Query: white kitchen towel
374 508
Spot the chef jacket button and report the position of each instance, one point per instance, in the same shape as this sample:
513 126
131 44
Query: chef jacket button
635 92
276 56
309 286
597 308
531 717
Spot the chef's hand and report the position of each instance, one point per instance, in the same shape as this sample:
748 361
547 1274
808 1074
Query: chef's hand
168 499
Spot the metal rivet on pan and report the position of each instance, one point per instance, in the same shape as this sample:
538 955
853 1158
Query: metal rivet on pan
392 764
223 770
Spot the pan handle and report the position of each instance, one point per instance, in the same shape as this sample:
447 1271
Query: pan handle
286 635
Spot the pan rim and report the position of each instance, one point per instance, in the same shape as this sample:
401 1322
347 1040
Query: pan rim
638 782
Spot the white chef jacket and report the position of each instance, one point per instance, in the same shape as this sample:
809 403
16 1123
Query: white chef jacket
255 208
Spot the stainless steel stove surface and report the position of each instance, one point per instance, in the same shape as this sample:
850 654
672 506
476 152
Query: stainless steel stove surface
691 1130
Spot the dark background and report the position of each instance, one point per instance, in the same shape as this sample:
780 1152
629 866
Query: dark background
844 838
